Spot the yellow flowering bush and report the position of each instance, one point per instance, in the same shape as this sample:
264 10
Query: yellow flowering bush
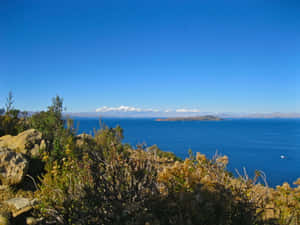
202 193
286 203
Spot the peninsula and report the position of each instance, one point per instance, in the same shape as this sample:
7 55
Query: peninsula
196 118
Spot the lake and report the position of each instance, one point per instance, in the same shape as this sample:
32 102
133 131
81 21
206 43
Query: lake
270 145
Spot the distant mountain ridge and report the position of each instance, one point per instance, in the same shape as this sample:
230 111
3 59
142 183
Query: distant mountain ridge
176 115
196 118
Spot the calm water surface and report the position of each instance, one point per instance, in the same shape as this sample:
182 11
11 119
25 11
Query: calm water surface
250 143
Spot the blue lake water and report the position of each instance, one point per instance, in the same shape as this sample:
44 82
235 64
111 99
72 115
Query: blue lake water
251 143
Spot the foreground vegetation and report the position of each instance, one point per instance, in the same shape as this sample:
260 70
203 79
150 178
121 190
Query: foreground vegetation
100 180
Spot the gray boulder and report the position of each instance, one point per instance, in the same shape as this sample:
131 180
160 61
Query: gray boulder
28 142
13 167
20 205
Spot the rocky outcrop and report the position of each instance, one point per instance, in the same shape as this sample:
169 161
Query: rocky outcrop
13 166
28 142
17 154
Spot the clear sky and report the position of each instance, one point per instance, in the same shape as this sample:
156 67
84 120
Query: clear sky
217 56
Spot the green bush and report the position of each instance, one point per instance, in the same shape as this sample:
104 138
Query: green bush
51 124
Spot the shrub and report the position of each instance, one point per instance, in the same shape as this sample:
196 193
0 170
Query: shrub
100 186
286 203
199 191
51 124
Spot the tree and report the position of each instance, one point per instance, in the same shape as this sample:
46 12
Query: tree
12 121
57 106
51 124
49 121
9 102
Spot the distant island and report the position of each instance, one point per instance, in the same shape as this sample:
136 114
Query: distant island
195 118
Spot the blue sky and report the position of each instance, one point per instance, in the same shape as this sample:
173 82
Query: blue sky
212 56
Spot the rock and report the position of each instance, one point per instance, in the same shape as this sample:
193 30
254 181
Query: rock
13 167
82 138
20 205
35 151
27 142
